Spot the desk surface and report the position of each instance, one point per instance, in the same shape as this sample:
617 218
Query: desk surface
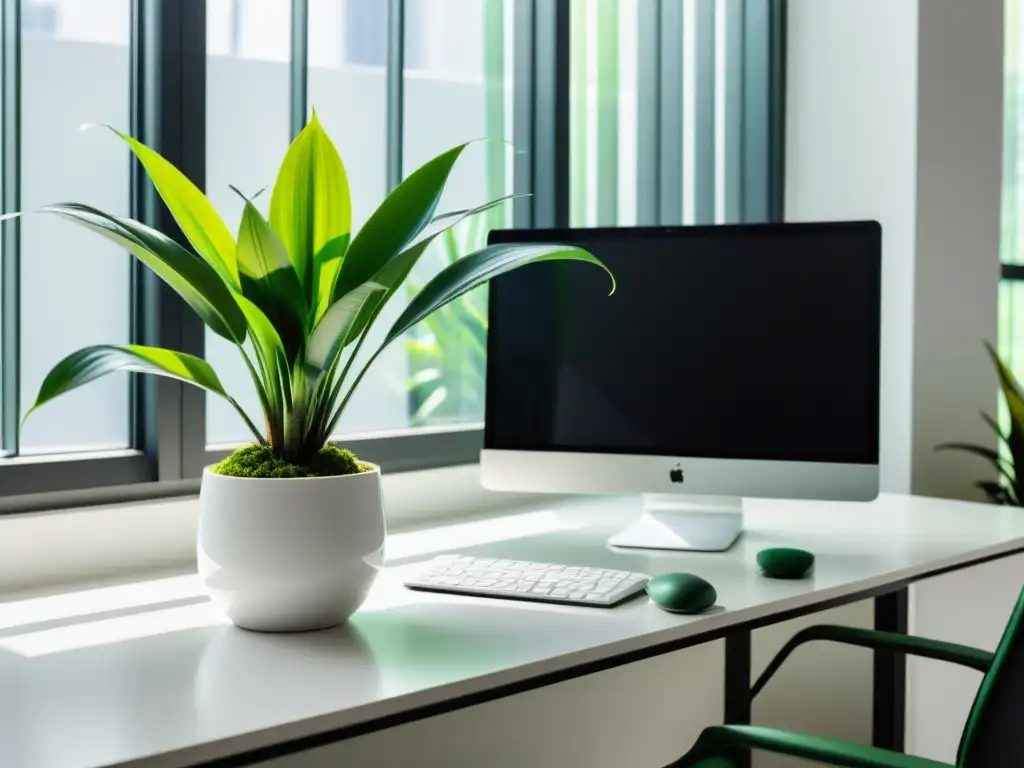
148 675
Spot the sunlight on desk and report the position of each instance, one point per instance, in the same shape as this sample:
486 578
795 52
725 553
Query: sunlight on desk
103 616
449 538
88 602
108 631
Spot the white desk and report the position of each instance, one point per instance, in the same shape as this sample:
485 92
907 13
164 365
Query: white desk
147 675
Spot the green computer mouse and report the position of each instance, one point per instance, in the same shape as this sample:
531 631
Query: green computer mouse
681 593
785 562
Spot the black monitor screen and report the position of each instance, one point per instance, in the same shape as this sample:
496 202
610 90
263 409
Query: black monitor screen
738 342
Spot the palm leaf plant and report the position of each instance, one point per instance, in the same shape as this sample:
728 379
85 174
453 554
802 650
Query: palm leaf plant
1008 485
448 351
299 287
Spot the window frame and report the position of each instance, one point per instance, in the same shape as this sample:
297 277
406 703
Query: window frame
168 55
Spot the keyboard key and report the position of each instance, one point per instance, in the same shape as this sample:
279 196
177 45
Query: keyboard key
559 593
577 595
541 591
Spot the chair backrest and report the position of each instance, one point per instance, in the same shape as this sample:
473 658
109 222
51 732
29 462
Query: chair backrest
994 736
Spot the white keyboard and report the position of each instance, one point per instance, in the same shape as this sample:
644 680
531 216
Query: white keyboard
546 582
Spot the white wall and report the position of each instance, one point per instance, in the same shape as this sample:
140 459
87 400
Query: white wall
894 113
850 153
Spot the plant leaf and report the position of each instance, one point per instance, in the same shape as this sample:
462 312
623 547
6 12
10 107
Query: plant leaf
399 219
326 265
191 278
91 363
431 403
331 333
1015 405
269 280
978 450
476 269
426 376
464 212
996 493
1010 387
395 271
464 275
194 213
984 452
311 204
992 423
268 345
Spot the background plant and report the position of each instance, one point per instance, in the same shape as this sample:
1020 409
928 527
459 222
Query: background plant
1008 457
448 351
298 287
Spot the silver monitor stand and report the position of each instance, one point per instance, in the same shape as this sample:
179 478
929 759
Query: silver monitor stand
697 523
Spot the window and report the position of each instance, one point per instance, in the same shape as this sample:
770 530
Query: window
1011 291
621 112
74 70
247 134
461 64
337 86
605 107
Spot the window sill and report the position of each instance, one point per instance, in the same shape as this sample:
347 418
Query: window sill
86 543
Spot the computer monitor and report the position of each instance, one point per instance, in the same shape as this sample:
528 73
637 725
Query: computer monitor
732 361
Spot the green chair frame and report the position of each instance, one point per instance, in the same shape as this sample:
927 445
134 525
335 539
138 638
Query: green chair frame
993 737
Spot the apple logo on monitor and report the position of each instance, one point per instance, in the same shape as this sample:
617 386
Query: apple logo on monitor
676 474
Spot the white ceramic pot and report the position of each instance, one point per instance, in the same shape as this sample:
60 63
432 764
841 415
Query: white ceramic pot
290 555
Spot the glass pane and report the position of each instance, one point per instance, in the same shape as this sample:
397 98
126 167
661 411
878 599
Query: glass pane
347 58
246 137
1010 329
1013 137
458 87
603 103
75 286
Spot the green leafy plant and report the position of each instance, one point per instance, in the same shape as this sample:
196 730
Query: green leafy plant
1008 487
448 351
299 287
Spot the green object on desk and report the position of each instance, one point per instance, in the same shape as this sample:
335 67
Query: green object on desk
992 737
681 593
785 562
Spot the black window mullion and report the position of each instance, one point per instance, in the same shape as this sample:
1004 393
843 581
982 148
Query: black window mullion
395 93
522 112
670 113
648 85
764 109
168 115
10 192
550 112
298 64
705 99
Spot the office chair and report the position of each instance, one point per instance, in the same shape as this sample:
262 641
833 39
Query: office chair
992 738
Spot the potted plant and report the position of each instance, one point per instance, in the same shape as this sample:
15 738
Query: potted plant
291 529
1008 485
